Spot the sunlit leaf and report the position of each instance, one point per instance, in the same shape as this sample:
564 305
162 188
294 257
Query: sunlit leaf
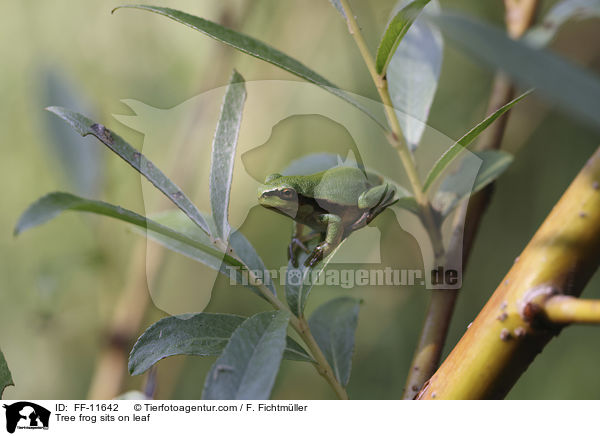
5 375
394 32
413 74
223 153
84 126
256 48
247 368
565 10
452 153
333 325
573 88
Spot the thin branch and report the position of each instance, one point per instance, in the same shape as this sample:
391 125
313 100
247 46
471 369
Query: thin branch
563 309
510 330
440 309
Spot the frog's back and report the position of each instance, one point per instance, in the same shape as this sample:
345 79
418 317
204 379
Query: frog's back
342 185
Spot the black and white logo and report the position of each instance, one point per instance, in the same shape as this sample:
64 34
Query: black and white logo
26 415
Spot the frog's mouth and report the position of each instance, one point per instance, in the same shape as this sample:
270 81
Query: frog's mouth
273 202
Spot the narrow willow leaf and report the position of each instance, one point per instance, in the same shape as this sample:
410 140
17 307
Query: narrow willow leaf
256 48
464 142
54 203
195 334
5 375
565 10
247 368
395 31
413 74
84 126
573 88
333 325
244 251
223 153
460 184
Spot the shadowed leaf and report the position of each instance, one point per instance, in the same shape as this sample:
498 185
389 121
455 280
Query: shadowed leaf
573 88
333 325
566 10
5 375
197 334
247 368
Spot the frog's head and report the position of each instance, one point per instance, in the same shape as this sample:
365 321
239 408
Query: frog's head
279 194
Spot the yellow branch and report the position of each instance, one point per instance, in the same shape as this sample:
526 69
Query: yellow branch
509 331
563 309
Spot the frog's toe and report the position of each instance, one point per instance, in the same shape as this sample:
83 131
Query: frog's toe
317 255
293 250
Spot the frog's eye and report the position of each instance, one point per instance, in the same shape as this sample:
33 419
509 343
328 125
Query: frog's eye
287 194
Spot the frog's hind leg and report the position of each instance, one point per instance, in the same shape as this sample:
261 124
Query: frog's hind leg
333 237
298 242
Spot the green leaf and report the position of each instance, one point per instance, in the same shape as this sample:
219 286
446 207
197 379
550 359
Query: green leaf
5 375
200 334
244 251
299 280
223 153
566 10
464 142
336 4
460 184
295 351
54 203
249 364
84 126
194 334
256 48
395 31
571 87
413 74
333 325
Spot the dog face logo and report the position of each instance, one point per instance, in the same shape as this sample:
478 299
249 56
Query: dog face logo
26 415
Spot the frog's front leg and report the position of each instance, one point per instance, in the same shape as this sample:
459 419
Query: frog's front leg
333 237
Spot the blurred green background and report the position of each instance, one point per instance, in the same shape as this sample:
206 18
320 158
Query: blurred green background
61 282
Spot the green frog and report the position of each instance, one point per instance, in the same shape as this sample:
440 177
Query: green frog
333 203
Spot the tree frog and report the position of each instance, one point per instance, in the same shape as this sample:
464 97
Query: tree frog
333 203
